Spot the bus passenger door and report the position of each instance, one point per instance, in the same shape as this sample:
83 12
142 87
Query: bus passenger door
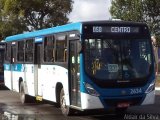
74 73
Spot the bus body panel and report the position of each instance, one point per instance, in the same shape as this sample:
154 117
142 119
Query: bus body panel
49 76
117 94
149 99
15 79
89 102
29 79
13 73
7 76
17 73
114 92
47 81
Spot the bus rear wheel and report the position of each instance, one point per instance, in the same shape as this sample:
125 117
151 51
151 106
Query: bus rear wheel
64 108
23 97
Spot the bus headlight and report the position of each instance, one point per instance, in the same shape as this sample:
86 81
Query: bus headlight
91 90
150 88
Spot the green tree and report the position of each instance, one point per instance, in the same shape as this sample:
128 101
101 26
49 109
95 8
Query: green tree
152 13
138 10
28 15
129 10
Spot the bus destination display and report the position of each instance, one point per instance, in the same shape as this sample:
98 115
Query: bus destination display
115 29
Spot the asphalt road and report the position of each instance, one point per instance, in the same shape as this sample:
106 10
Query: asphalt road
12 109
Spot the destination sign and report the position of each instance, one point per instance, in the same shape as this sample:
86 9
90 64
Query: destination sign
115 29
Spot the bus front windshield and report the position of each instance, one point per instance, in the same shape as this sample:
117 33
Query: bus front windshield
107 59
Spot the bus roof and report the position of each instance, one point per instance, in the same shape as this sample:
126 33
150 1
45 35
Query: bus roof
65 28
118 22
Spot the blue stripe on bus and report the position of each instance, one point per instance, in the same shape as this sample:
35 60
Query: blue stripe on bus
63 28
7 67
14 67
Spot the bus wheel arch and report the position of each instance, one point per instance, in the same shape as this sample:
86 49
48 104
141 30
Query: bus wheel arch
20 80
59 86
23 96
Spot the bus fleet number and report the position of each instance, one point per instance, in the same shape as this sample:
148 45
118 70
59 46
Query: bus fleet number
135 91
97 29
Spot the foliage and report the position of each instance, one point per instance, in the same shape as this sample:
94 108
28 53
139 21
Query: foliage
152 13
129 10
140 11
27 15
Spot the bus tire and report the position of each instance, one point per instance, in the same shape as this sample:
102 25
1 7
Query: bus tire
66 110
23 97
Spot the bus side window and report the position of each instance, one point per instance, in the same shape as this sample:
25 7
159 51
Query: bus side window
61 48
49 49
20 55
29 51
65 55
8 52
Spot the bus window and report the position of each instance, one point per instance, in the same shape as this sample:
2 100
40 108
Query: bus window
20 55
8 52
49 49
61 44
117 59
29 51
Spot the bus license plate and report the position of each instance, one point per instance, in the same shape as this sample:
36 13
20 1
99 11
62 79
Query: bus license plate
123 105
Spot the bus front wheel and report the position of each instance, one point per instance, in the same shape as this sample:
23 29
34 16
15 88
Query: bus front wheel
64 108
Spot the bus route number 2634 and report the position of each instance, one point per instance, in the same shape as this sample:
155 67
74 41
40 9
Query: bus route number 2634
135 91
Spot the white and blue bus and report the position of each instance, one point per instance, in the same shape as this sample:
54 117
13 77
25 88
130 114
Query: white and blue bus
83 66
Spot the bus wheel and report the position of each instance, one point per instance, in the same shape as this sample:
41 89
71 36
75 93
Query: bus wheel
23 97
64 108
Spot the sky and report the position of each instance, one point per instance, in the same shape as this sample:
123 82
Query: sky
86 10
